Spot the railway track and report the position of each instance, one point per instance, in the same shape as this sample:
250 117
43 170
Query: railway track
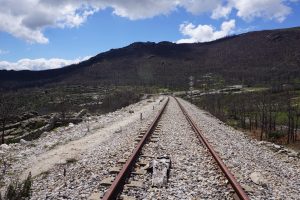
126 185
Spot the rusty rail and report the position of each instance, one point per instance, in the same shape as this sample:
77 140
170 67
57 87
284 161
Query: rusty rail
117 186
235 185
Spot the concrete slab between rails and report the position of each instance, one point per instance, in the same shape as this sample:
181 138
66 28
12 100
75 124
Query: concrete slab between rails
114 170
140 172
94 196
122 161
138 184
107 181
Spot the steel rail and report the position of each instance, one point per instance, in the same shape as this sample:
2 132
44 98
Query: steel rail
117 186
232 180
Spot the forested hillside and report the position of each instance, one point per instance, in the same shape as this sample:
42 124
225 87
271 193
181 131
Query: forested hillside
255 58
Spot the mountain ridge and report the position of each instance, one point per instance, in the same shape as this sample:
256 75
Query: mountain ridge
269 54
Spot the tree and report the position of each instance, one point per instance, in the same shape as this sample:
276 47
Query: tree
262 107
291 114
8 107
61 101
297 122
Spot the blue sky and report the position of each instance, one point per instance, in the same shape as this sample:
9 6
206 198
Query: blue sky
44 34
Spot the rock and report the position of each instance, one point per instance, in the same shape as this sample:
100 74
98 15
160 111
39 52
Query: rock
293 154
71 125
118 130
22 141
28 115
81 113
247 188
44 134
262 142
95 177
282 151
258 178
5 146
276 147
161 168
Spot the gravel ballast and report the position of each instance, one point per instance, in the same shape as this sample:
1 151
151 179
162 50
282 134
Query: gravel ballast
275 169
91 153
193 174
70 162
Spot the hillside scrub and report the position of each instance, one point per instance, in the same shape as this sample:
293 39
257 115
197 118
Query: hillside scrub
19 191
119 98
273 115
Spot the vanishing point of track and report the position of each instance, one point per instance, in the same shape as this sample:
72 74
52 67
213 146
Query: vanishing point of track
117 186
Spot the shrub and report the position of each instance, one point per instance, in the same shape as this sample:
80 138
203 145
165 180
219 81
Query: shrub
276 134
18 191
12 191
26 189
119 99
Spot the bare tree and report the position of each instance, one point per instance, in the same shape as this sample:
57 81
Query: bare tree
62 104
8 107
297 122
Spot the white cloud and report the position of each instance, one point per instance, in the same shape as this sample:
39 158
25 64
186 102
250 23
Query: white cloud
39 64
199 6
134 9
13 26
205 33
249 9
221 11
269 9
27 19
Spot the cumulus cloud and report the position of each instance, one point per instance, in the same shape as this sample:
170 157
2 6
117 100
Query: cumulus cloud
221 11
39 64
199 6
249 9
269 9
205 33
27 19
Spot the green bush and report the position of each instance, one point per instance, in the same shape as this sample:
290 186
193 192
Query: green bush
19 191
232 122
12 191
276 134
26 189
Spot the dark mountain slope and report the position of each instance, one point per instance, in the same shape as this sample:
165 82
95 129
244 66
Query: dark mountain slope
262 57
